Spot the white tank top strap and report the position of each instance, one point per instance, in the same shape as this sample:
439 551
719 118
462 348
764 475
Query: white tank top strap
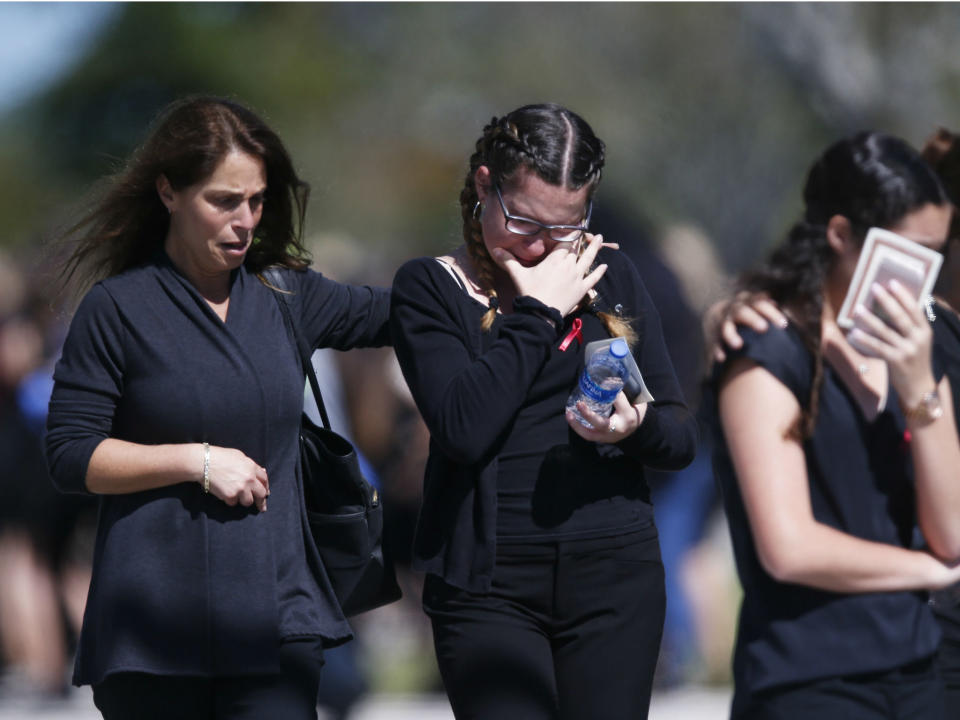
453 273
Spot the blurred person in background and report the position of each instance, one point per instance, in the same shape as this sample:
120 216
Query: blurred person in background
45 575
370 403
177 401
694 515
396 639
827 457
545 584
683 499
342 682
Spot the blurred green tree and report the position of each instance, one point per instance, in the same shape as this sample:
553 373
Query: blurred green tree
711 112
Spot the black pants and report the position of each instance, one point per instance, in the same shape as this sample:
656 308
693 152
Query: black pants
948 660
914 692
291 695
568 630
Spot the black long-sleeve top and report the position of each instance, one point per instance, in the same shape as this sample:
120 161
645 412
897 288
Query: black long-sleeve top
182 583
470 387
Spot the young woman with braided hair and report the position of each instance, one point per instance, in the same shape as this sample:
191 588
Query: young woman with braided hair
544 581
829 459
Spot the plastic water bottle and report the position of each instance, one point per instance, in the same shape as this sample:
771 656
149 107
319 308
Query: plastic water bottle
600 382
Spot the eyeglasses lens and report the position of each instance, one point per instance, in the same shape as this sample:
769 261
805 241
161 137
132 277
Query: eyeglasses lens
565 235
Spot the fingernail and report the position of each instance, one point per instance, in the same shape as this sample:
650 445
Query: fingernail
895 285
784 323
859 311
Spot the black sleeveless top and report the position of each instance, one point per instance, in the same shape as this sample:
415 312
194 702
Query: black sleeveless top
860 476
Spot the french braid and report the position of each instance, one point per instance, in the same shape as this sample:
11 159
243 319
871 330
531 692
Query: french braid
561 149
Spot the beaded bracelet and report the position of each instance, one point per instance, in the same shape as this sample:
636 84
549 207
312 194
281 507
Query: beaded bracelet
206 467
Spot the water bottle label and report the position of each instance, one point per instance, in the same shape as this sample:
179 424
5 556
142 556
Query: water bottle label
596 393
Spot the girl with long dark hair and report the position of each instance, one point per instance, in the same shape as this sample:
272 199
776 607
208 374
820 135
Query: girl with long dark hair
829 459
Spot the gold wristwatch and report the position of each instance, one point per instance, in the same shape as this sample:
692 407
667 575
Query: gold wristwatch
926 411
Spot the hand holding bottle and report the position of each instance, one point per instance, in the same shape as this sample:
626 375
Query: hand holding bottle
622 422
597 408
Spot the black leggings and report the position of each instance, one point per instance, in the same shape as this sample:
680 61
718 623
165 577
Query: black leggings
568 630
291 695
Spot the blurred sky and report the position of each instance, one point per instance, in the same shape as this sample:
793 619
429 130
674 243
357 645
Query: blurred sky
39 40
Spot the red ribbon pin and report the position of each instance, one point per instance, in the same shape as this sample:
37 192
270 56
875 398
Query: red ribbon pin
574 333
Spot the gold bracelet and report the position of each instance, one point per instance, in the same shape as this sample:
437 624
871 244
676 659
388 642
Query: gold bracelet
206 467
926 411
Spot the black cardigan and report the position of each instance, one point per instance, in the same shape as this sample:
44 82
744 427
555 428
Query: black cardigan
182 583
469 388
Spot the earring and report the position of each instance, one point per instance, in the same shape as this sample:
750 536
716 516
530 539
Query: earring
477 211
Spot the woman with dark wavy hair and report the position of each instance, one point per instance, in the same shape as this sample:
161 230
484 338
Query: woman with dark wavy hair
177 402
544 581
832 450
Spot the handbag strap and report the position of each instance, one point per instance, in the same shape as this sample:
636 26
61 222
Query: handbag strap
282 293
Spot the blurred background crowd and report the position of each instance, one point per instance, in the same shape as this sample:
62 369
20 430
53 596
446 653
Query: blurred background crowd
711 114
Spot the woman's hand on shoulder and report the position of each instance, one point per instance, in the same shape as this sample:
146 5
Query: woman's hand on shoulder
752 310
559 280
235 478
623 421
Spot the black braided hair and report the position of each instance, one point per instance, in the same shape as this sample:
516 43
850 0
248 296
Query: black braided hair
871 179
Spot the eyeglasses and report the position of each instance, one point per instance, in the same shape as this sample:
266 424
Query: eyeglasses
557 233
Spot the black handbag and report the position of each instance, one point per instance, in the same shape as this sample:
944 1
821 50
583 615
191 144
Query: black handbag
344 511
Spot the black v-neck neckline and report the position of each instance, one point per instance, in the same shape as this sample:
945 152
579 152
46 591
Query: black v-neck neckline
235 281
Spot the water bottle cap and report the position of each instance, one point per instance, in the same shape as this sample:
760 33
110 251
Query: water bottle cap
619 348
